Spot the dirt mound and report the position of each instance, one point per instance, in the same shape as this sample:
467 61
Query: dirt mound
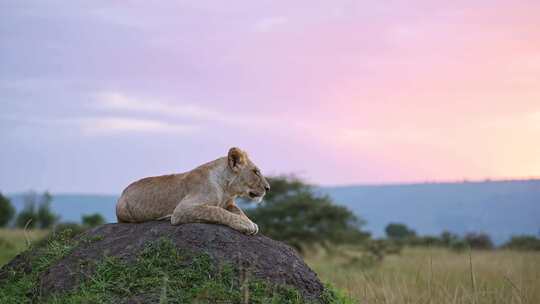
258 256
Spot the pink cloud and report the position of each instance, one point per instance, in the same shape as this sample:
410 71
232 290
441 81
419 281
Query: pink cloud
339 91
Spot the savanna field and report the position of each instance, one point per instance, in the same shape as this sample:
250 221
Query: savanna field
416 275
435 275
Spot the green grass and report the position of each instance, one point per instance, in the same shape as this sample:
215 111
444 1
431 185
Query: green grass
433 275
160 274
164 275
19 285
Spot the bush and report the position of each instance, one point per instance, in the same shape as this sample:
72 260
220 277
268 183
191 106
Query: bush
448 238
92 220
523 242
397 231
394 247
6 211
37 212
45 217
426 240
458 245
293 213
478 241
28 216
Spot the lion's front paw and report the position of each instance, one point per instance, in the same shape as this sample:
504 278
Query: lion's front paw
252 229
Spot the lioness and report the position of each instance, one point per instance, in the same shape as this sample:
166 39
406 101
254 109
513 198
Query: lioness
204 194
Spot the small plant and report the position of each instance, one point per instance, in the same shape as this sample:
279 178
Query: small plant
68 227
333 295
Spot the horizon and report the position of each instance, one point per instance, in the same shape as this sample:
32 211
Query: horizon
96 96
428 208
387 184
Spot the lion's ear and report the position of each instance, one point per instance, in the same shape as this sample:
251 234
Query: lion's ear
237 159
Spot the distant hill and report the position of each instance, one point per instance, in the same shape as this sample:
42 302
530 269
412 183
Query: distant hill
499 208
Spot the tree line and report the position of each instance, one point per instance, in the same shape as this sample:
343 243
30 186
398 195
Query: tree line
292 212
37 213
295 213
403 235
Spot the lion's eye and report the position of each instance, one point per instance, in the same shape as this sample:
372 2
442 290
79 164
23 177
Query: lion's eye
256 172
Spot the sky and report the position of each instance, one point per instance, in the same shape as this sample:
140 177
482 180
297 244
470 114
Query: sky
97 94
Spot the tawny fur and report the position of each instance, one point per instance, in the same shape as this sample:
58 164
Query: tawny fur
204 194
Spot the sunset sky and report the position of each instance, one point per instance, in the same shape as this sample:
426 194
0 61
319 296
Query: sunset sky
96 94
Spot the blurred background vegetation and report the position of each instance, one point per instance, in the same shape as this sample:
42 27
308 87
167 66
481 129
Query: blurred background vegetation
468 268
293 213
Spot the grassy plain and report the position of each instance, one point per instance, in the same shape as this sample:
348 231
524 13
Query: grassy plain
434 275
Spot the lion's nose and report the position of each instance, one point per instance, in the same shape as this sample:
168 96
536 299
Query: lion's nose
266 188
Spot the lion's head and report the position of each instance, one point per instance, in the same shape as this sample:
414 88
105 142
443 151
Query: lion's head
248 181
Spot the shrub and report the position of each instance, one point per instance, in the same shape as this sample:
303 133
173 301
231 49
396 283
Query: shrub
293 213
45 217
426 240
448 238
394 247
27 217
6 210
93 220
478 240
37 212
458 245
398 231
523 242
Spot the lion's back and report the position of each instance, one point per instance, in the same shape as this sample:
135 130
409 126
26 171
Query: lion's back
150 198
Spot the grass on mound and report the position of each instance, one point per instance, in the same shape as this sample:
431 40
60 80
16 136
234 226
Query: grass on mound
160 274
21 282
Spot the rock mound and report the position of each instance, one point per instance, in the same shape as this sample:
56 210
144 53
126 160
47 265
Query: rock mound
258 256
